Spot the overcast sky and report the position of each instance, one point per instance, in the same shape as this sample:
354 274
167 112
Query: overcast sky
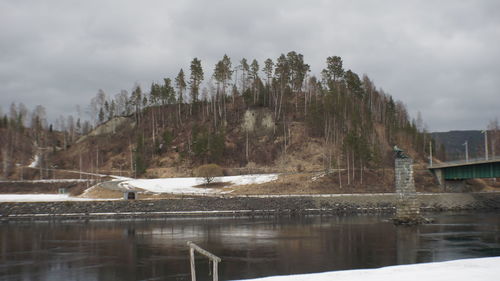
441 58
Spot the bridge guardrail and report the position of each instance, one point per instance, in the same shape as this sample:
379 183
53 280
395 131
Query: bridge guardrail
470 161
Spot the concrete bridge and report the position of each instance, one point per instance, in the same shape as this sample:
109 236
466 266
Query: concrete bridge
453 174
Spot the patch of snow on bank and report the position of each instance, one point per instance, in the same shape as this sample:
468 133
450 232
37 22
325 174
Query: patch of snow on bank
318 176
249 179
188 185
119 178
50 181
169 185
34 164
39 198
484 269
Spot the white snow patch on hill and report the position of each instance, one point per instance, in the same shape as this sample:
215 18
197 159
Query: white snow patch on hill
119 178
39 198
188 185
34 164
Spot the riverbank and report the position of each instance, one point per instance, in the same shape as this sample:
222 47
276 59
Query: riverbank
243 205
484 269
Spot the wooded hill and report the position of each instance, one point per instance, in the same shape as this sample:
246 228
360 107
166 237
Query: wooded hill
453 143
275 116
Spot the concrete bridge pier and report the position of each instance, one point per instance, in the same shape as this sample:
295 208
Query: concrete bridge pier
438 173
408 207
448 185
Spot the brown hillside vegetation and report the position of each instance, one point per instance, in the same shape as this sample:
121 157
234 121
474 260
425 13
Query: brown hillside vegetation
284 121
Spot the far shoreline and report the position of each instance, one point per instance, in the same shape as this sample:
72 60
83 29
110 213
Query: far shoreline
203 206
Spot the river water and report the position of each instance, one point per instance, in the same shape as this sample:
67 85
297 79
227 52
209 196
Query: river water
249 247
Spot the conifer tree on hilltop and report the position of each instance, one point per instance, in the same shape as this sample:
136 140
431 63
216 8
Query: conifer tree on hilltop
353 120
180 84
195 80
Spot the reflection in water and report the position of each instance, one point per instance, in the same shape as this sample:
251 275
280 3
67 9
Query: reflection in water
249 247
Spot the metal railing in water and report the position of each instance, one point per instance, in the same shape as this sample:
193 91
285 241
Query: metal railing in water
213 258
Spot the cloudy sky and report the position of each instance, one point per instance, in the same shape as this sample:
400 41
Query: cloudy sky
441 58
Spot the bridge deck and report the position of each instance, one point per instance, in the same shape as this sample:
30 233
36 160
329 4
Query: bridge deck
458 163
475 168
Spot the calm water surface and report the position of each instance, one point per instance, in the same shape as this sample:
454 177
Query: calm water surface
249 247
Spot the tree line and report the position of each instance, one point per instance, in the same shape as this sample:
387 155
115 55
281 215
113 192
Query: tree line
344 109
354 119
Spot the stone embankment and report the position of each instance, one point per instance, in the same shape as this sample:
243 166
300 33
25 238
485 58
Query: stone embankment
198 206
72 186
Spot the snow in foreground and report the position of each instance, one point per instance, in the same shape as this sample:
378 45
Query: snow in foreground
188 185
39 198
483 269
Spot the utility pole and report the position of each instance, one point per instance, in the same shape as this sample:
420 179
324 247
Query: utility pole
485 132
97 159
80 163
430 153
466 152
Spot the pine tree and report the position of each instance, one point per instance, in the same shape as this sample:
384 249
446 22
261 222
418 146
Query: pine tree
298 72
135 100
155 95
106 110
268 70
222 74
282 74
245 68
167 92
195 79
333 71
112 110
180 83
101 116
354 84
254 76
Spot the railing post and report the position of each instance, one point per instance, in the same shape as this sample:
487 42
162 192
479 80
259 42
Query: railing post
215 271
191 259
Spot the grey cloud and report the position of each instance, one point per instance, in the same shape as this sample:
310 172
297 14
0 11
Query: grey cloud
440 58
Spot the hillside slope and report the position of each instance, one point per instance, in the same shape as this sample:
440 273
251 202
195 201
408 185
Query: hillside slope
453 143
288 122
